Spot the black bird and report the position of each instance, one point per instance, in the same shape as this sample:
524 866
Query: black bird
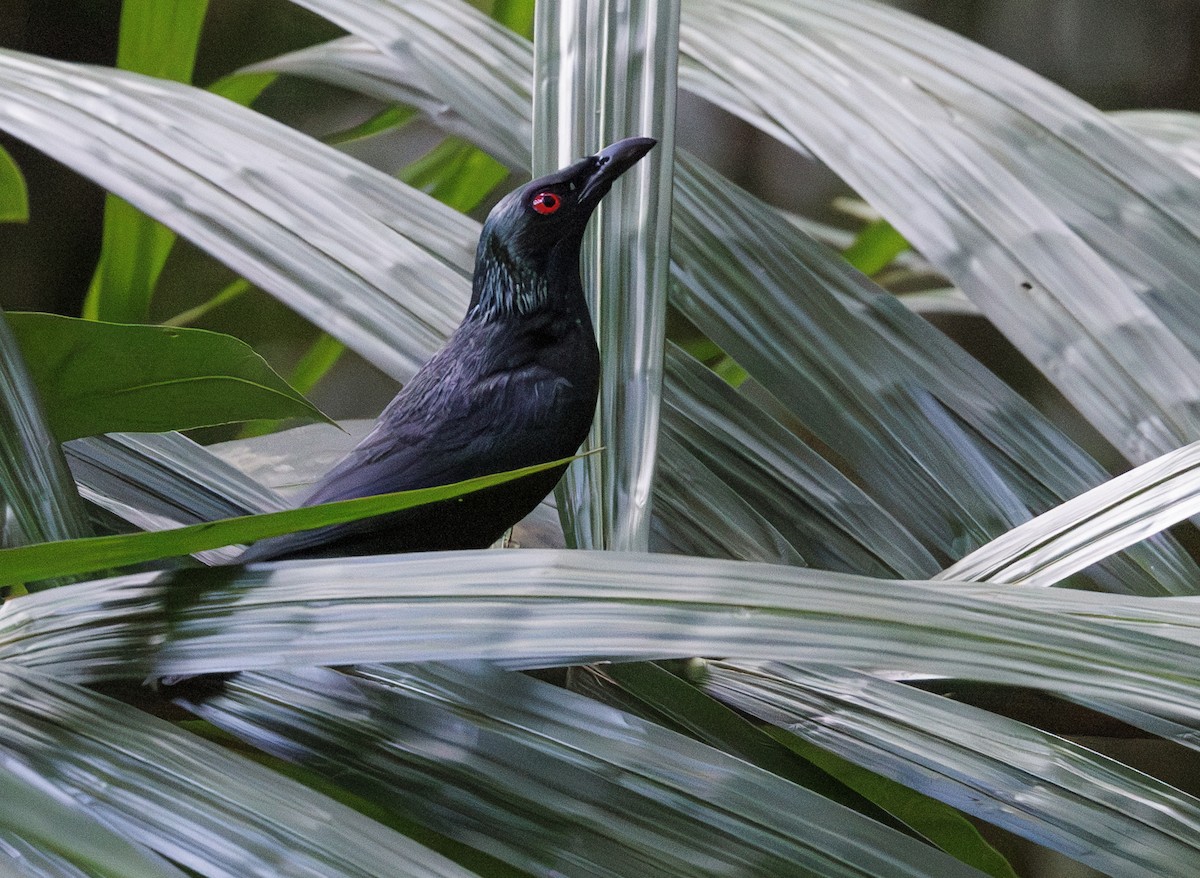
515 385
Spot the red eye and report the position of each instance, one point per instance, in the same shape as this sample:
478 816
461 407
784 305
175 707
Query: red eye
545 202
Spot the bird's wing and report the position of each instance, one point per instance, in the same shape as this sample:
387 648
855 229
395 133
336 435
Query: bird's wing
430 437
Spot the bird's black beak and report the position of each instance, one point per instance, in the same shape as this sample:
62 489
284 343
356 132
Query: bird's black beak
610 163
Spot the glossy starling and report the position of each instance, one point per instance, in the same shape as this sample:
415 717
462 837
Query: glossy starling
515 385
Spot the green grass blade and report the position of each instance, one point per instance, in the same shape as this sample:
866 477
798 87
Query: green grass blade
158 38
64 558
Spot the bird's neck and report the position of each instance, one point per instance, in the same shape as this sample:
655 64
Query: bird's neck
508 286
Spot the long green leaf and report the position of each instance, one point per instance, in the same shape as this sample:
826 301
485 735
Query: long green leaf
384 266
1113 818
178 380
541 607
39 816
554 783
162 480
64 558
1092 526
212 811
1029 234
157 38
716 724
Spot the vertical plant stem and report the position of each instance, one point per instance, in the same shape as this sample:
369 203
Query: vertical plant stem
604 71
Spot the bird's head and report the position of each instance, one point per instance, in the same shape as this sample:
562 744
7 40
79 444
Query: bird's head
535 231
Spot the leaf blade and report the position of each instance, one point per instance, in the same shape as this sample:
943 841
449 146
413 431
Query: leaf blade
178 380
64 558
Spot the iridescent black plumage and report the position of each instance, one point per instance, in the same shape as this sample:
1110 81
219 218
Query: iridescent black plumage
515 385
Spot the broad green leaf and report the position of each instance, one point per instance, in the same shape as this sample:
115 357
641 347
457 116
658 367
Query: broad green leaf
37 497
598 78
157 38
1098 811
110 377
63 558
14 196
212 811
554 783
